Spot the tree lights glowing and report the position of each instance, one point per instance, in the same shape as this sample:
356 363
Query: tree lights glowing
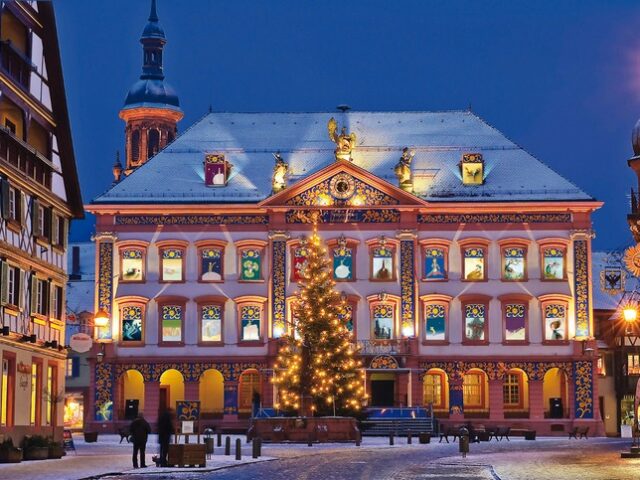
317 370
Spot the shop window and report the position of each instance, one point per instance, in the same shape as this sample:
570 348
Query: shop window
172 265
210 323
132 264
514 263
171 318
132 323
211 264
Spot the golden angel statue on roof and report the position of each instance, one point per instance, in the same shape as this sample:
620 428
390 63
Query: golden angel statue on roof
344 143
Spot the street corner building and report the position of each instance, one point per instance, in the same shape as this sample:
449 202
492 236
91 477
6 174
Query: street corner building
464 262
40 193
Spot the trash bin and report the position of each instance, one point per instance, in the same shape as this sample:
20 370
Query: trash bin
424 437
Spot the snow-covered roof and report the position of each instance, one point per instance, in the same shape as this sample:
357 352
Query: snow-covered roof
248 141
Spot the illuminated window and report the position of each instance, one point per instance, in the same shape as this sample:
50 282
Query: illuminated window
250 318
472 390
383 321
211 264
132 323
514 263
50 392
511 390
435 322
250 383
433 390
132 265
211 323
171 261
553 263
600 366
56 302
251 265
171 323
68 370
383 262
5 394
36 394
555 322
472 169
633 364
475 322
474 263
515 322
435 263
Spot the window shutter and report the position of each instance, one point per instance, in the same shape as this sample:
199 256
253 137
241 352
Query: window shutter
46 289
35 218
20 210
4 194
33 293
4 282
54 228
51 300
75 366
64 232
48 216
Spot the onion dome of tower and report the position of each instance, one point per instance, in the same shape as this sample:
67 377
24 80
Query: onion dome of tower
635 138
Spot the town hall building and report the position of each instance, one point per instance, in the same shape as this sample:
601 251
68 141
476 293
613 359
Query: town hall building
464 261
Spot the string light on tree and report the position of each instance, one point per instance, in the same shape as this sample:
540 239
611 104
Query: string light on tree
316 369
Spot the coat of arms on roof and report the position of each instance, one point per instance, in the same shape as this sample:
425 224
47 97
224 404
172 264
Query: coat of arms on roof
472 169
280 170
403 170
612 280
344 143
216 170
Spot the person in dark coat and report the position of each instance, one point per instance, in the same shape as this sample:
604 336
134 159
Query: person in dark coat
140 431
165 430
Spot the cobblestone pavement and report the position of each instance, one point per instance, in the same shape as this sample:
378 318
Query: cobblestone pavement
544 459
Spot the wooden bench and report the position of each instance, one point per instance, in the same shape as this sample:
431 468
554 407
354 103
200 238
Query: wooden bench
124 434
582 431
500 433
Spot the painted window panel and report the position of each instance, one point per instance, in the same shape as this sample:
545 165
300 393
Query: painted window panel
343 263
474 264
555 322
211 265
515 325
250 265
474 321
132 265
347 317
434 264
553 264
250 317
299 262
435 322
514 263
171 323
383 322
132 324
172 265
382 263
211 323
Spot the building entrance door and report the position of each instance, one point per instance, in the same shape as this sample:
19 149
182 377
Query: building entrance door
383 386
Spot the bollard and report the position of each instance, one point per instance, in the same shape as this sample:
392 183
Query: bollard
358 438
310 441
409 439
259 447
238 449
254 448
227 446
391 439
464 442
219 439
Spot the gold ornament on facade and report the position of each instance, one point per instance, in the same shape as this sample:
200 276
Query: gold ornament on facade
632 259
280 170
344 143
403 170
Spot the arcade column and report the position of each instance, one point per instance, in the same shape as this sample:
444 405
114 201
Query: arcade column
230 400
456 406
151 401
496 399
536 399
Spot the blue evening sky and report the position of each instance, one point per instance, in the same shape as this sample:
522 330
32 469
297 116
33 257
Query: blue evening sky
561 78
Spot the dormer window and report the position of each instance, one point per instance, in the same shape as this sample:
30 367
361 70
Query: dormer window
216 170
472 169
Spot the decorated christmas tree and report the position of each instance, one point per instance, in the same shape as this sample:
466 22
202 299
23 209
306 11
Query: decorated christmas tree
317 371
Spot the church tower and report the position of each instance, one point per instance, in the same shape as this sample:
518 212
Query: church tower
152 109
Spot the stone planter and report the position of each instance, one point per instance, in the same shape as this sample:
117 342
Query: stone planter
424 437
56 451
90 437
36 453
530 435
12 455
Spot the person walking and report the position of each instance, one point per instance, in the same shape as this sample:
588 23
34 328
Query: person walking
140 431
165 430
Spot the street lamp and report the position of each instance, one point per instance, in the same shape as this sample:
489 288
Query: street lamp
630 316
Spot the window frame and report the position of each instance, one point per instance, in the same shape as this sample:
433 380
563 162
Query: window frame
549 299
482 406
515 299
560 244
434 243
165 245
132 301
250 244
385 299
435 299
478 243
392 244
442 405
132 245
479 299
350 243
220 302
504 245
520 385
171 301
213 245
251 300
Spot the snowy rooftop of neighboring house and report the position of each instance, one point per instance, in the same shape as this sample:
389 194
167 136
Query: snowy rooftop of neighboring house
249 140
